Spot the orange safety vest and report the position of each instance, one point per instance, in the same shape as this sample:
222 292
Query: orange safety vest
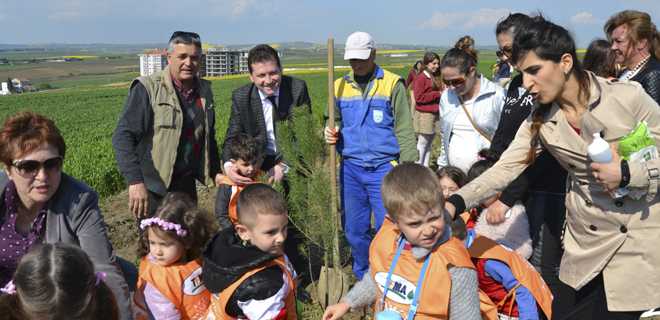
181 284
434 299
527 276
235 191
219 301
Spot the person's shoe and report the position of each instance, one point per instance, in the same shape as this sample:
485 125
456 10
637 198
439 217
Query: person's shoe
650 313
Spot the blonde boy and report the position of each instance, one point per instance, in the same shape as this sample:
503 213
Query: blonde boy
416 269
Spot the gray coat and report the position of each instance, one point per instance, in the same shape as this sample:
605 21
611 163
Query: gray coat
74 217
601 235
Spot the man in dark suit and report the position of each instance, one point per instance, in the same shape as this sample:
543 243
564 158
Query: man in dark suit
258 106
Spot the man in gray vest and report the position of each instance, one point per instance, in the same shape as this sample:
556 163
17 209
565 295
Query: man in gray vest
165 137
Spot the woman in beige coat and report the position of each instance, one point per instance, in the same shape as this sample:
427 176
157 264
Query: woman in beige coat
611 256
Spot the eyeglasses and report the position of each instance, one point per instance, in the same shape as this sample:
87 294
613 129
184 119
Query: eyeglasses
454 82
30 168
185 35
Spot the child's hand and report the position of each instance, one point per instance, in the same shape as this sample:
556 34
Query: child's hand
336 311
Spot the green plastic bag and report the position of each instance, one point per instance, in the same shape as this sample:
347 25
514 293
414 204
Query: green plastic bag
638 140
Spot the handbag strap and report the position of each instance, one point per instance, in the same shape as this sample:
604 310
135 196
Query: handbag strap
474 125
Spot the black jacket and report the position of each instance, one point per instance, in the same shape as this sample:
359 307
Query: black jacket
545 174
247 114
226 260
649 78
222 199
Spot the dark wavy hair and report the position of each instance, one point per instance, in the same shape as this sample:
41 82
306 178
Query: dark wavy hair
263 53
512 23
599 59
454 173
57 281
245 148
549 42
487 158
179 208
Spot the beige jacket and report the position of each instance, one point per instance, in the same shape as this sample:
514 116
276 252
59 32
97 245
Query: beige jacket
618 239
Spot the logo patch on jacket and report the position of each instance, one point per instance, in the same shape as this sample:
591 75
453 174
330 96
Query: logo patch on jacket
400 291
193 285
378 116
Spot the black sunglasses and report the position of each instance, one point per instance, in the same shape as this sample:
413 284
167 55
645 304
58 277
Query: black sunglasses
185 35
454 82
32 167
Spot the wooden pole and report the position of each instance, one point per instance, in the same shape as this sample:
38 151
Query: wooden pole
333 154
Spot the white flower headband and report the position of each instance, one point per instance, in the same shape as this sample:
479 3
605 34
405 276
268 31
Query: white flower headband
165 225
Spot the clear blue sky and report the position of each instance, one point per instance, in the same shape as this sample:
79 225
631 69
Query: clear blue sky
429 22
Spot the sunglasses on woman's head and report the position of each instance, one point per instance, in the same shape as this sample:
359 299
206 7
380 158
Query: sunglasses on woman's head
188 36
31 167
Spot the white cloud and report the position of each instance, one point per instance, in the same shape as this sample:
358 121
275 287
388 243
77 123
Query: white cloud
584 17
465 20
237 8
67 10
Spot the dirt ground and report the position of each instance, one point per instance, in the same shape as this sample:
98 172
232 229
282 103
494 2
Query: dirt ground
122 228
123 234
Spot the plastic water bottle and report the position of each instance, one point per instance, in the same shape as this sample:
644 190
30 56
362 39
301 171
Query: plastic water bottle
388 315
599 151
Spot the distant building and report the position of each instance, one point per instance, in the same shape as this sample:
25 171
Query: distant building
222 61
202 66
152 61
5 89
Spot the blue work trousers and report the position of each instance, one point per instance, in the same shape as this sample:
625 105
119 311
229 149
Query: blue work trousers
360 194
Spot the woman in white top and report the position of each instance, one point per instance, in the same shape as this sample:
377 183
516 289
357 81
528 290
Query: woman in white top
471 107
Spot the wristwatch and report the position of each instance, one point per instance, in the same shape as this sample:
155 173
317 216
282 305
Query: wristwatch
625 174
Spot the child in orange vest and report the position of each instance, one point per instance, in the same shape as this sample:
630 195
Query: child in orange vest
245 268
247 157
416 269
500 253
169 283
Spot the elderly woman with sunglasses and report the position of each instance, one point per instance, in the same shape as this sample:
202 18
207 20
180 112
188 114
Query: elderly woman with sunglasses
470 108
39 203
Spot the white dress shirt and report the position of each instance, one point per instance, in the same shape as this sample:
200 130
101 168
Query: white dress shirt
271 146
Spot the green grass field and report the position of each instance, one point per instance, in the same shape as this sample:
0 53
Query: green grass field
87 114
87 109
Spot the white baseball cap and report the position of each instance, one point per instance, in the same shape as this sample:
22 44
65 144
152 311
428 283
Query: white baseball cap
358 46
